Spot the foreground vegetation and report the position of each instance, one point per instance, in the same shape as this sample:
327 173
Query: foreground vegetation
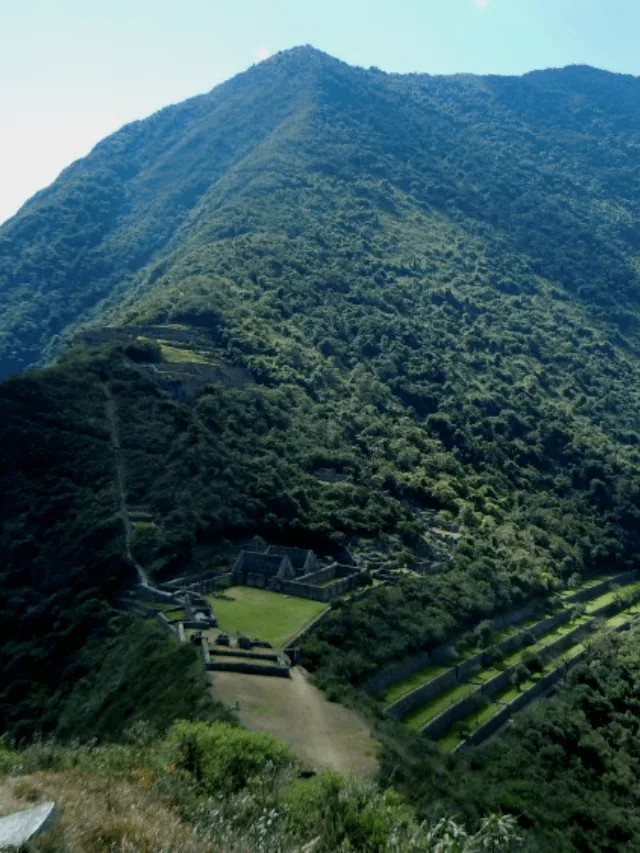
564 770
215 787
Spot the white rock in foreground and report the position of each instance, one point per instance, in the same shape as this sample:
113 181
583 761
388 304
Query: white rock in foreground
19 828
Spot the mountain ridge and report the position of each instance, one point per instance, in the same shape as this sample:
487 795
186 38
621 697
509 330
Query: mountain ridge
190 133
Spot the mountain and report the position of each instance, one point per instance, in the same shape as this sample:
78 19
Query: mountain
543 167
337 308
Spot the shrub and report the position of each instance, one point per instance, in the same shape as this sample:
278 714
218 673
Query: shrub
342 808
224 757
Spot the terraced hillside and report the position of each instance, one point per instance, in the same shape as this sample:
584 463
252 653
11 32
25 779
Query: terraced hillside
466 698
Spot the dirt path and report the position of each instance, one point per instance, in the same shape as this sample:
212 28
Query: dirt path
323 734
112 417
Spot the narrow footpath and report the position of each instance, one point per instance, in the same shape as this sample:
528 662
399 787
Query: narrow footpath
112 417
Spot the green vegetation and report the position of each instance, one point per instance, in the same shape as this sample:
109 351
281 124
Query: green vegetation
419 677
207 788
364 307
579 748
264 614
419 718
442 332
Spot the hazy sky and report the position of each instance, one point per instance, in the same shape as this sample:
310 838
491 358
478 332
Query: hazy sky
73 71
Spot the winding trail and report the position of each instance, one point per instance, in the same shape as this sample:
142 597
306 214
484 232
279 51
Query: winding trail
112 417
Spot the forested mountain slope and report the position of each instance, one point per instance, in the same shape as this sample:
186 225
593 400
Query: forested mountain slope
363 303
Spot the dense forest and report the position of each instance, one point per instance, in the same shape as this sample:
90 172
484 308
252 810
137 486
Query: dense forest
359 306
568 767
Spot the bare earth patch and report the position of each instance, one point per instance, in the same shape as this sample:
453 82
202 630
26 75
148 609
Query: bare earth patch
323 734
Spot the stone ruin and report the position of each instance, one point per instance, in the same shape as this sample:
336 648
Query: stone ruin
293 571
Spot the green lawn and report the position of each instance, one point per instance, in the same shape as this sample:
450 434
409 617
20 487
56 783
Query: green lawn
510 694
264 614
423 715
451 740
485 675
610 596
421 676
572 652
621 618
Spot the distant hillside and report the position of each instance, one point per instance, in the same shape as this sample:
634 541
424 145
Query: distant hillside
541 170
332 305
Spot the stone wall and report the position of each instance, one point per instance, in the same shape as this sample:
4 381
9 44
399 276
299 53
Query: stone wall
248 668
319 576
470 666
204 651
302 559
443 722
198 624
185 581
396 672
318 593
554 621
486 729
164 623
568 640
598 589
363 593
405 668
421 695
513 617
243 653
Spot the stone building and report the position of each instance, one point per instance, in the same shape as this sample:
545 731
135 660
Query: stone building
255 569
293 571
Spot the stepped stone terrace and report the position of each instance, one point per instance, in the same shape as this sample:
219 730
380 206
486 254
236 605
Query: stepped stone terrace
293 571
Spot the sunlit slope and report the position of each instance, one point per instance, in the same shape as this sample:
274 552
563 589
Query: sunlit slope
541 170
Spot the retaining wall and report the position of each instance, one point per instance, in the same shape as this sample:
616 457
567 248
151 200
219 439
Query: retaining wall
486 729
469 666
499 682
525 698
405 668
421 695
249 668
551 622
164 623
242 653
527 611
363 593
444 721
396 672
594 591
569 639
295 638
204 651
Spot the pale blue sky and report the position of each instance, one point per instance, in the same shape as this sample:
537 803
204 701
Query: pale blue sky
73 71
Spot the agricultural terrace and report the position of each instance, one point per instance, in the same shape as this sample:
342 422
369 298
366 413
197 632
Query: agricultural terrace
264 614
465 726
